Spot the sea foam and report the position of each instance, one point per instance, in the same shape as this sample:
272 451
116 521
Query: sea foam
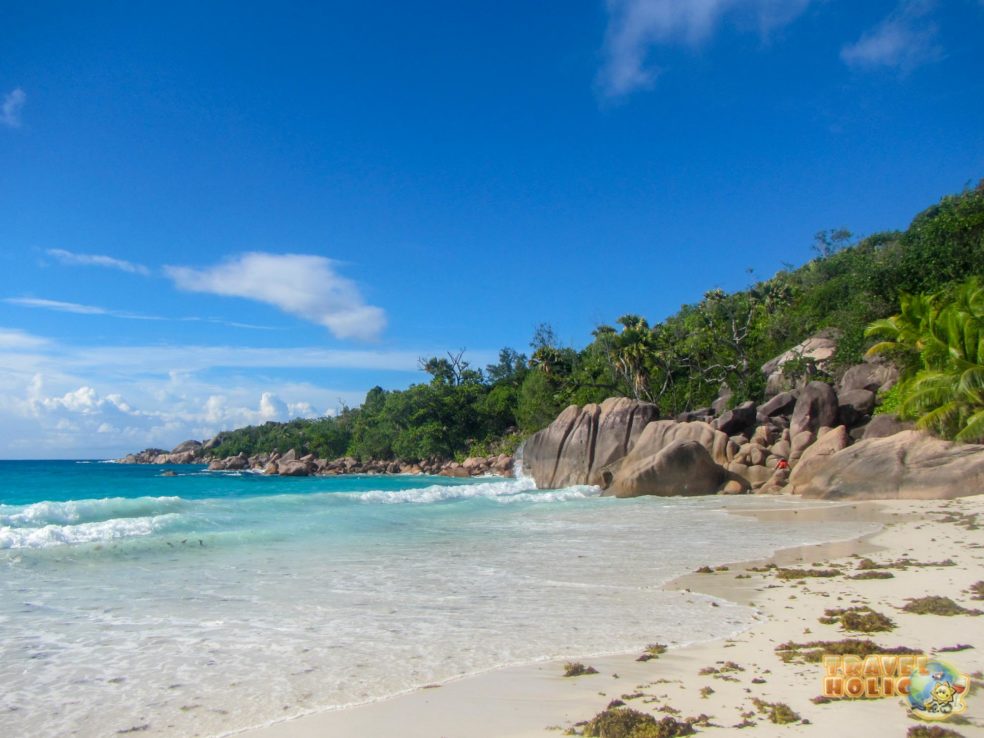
48 536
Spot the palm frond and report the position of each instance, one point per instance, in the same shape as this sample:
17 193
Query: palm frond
973 429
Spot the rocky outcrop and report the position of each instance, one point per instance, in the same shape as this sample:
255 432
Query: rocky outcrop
293 464
831 441
191 446
576 446
737 419
818 350
781 404
147 456
184 453
886 425
854 406
910 465
679 468
873 375
799 442
815 408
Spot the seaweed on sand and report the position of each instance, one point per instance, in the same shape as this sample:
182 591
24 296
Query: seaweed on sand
576 668
653 651
936 605
862 619
813 652
778 712
805 573
624 722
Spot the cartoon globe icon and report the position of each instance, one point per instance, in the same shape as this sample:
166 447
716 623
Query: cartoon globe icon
937 691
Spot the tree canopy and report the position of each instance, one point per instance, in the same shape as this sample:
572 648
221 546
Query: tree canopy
682 362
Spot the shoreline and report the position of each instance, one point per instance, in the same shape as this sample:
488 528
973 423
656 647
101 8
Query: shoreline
536 700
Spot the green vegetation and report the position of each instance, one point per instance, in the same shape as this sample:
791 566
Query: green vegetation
938 341
682 362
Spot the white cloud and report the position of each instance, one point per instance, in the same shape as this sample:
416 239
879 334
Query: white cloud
10 111
635 27
904 40
304 285
74 307
11 338
73 259
66 423
66 401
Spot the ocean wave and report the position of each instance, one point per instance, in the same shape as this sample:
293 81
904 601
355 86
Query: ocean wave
74 512
50 536
507 491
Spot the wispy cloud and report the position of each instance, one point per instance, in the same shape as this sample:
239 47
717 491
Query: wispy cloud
300 284
74 259
903 41
10 111
18 340
636 27
61 306
74 307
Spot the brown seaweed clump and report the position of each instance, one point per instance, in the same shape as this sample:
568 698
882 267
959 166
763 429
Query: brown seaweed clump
932 731
653 651
936 605
576 668
624 722
805 573
813 651
862 619
778 712
873 574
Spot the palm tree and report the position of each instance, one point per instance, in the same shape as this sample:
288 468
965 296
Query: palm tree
942 338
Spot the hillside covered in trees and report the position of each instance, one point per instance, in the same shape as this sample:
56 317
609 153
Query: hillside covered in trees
678 364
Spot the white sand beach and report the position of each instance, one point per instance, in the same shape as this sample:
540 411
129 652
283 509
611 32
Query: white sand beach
538 701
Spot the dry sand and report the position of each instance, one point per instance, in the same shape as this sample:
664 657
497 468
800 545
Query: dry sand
537 701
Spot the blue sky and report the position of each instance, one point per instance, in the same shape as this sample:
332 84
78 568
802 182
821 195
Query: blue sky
220 213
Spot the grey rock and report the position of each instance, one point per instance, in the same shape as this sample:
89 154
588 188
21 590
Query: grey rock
681 468
781 404
871 375
816 407
911 465
885 425
737 419
819 349
581 441
854 405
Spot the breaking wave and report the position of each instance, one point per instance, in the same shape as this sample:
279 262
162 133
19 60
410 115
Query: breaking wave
48 536
74 512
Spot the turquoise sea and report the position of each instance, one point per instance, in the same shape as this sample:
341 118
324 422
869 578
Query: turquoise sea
206 602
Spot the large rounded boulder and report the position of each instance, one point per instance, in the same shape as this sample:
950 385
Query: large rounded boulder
910 465
680 468
816 407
